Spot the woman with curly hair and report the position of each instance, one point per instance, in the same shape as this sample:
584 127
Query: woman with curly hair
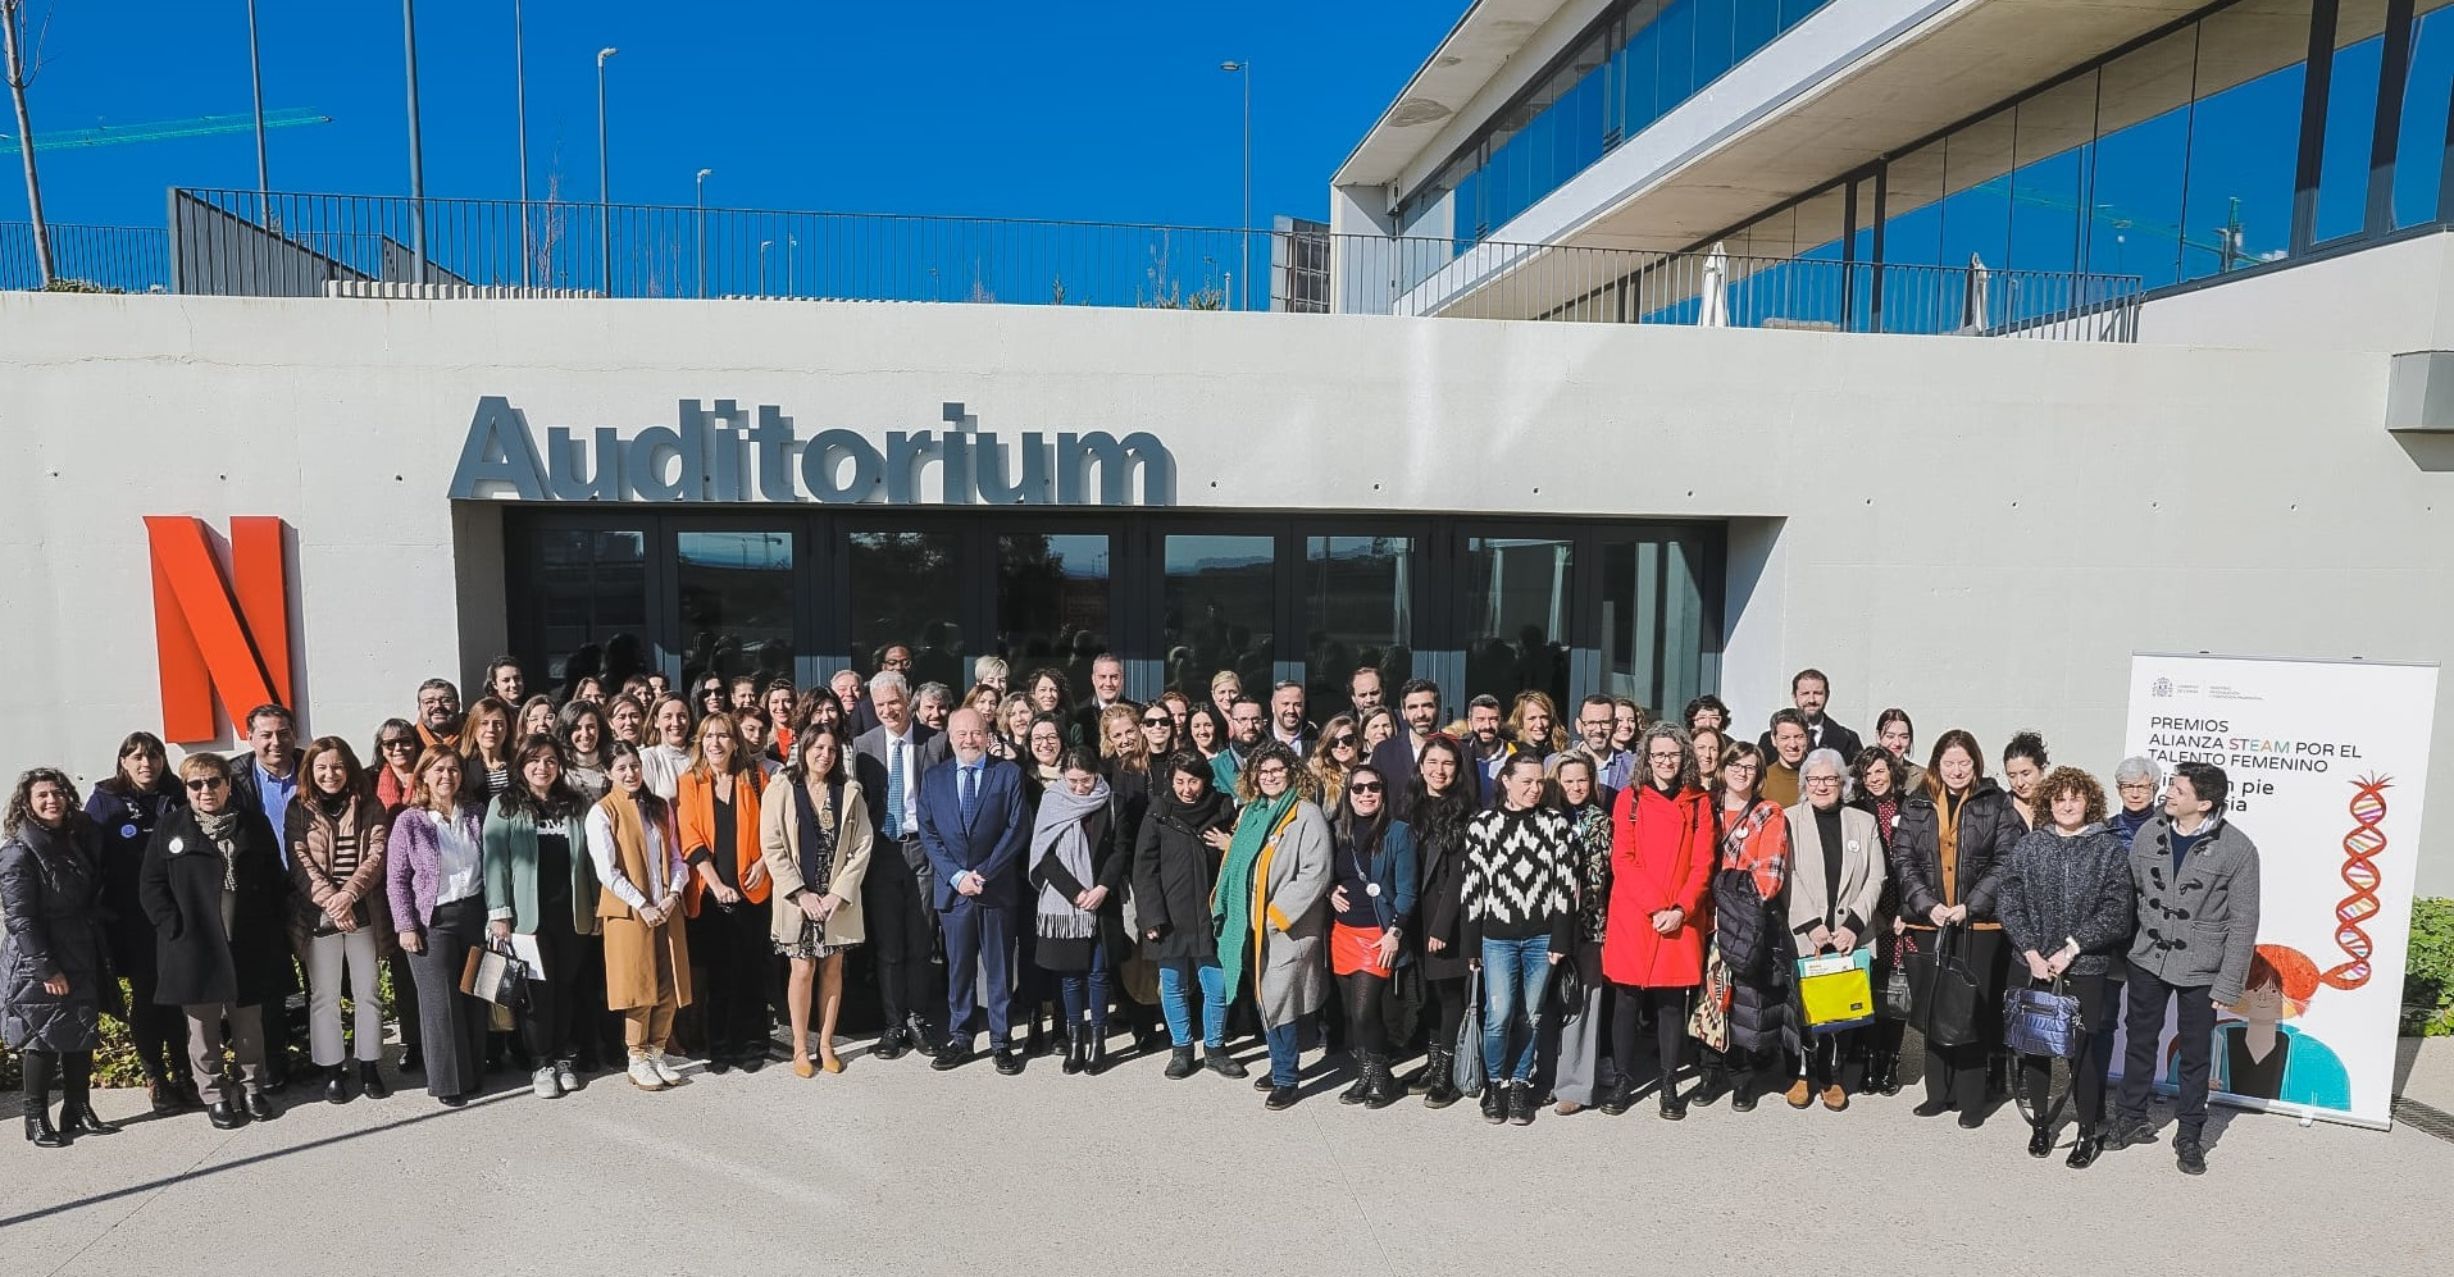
58 980
1271 904
2066 907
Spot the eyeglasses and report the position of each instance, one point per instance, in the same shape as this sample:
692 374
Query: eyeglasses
1271 769
1365 787
206 783
1823 780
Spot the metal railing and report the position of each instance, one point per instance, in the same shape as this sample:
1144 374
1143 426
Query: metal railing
128 259
228 241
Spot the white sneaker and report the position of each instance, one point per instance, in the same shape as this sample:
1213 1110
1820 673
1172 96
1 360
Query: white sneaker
545 1084
644 1075
663 1065
566 1075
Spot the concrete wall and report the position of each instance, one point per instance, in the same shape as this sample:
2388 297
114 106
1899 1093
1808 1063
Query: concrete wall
2391 298
1981 531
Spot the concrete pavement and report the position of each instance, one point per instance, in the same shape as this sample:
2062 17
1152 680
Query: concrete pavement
892 1168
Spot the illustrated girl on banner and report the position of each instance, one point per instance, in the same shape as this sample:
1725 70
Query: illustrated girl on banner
2260 1055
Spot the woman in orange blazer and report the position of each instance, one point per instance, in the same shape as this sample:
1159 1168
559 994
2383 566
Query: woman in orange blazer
718 804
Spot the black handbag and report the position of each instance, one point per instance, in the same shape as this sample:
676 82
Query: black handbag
1566 992
1899 993
1950 1007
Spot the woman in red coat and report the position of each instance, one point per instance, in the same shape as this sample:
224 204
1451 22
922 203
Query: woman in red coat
1653 945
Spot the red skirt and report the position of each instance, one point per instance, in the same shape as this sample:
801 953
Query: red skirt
1355 951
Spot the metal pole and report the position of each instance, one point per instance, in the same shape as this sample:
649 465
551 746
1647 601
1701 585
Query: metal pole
698 229
1244 67
604 210
763 246
255 74
790 243
417 157
519 76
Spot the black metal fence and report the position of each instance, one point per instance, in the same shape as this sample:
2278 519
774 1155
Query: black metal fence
127 259
238 242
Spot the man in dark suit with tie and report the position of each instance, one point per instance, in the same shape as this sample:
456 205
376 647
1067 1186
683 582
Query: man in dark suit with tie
974 825
889 760
1418 705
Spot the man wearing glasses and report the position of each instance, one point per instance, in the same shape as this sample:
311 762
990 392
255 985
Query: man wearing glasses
439 716
1596 718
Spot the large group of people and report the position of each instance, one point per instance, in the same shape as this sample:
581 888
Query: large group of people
1551 909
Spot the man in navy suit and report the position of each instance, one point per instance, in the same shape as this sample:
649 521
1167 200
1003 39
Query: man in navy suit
974 825
1419 706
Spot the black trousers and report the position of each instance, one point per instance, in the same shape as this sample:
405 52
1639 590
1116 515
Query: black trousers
1449 997
158 1032
1835 1059
2143 1028
71 1071
553 1002
902 930
1367 1028
405 1001
733 947
2098 1005
1665 1010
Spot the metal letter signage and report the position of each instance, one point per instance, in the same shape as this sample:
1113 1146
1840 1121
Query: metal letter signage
717 453
215 634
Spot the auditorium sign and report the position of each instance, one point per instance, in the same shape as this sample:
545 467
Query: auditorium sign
719 453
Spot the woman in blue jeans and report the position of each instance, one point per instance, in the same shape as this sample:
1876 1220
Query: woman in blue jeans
1175 861
1518 904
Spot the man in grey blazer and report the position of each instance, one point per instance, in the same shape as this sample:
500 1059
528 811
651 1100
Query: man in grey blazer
2197 880
889 759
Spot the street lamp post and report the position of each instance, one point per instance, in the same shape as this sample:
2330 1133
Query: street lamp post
604 207
417 153
698 232
1244 68
791 242
255 75
519 77
763 246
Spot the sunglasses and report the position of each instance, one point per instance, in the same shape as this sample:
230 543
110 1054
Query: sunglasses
1341 742
209 782
1365 787
1161 720
400 743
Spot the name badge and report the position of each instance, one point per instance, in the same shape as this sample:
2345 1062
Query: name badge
1851 845
1371 888
127 831
178 845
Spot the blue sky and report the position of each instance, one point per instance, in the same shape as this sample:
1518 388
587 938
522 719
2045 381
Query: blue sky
1073 110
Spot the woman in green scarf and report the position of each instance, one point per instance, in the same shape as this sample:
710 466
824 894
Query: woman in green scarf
1270 907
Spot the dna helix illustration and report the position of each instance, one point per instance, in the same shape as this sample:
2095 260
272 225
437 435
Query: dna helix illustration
2361 848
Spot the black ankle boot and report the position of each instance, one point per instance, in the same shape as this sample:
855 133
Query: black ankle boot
1076 1050
1710 1087
77 1115
1361 1086
1380 1088
1035 1042
2083 1154
1180 1063
1095 1054
1443 1089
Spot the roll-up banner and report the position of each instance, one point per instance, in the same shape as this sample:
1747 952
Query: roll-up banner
2328 764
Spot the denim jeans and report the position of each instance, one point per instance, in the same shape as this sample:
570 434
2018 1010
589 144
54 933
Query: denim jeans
1176 980
1284 1059
1086 990
1515 974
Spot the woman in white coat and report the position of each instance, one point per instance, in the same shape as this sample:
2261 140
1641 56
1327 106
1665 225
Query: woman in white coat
1835 885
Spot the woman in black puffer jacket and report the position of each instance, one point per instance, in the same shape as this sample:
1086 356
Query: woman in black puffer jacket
1175 863
1948 855
2066 907
58 980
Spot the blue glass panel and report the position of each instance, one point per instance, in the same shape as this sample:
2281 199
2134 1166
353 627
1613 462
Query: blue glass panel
2428 94
2351 125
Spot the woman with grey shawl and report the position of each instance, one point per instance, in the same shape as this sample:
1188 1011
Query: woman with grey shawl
1078 870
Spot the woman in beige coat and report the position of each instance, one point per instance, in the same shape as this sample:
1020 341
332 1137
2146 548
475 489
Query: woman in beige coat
1835 889
814 835
638 860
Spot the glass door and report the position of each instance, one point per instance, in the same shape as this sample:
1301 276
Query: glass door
1515 597
737 601
1358 598
1660 630
1218 610
1055 591
907 587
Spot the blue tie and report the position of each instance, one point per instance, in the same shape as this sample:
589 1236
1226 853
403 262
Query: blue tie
894 788
971 792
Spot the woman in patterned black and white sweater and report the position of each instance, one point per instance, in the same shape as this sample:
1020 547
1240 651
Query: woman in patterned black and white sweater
1519 906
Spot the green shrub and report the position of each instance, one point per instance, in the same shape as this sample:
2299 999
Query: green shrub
2428 979
115 1060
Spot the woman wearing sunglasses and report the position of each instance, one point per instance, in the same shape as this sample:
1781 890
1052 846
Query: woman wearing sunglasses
1371 913
1336 756
213 886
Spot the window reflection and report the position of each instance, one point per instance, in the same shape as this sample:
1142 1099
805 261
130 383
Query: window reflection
1052 602
906 587
1219 611
592 600
1358 611
1517 611
737 604
2420 140
2351 115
